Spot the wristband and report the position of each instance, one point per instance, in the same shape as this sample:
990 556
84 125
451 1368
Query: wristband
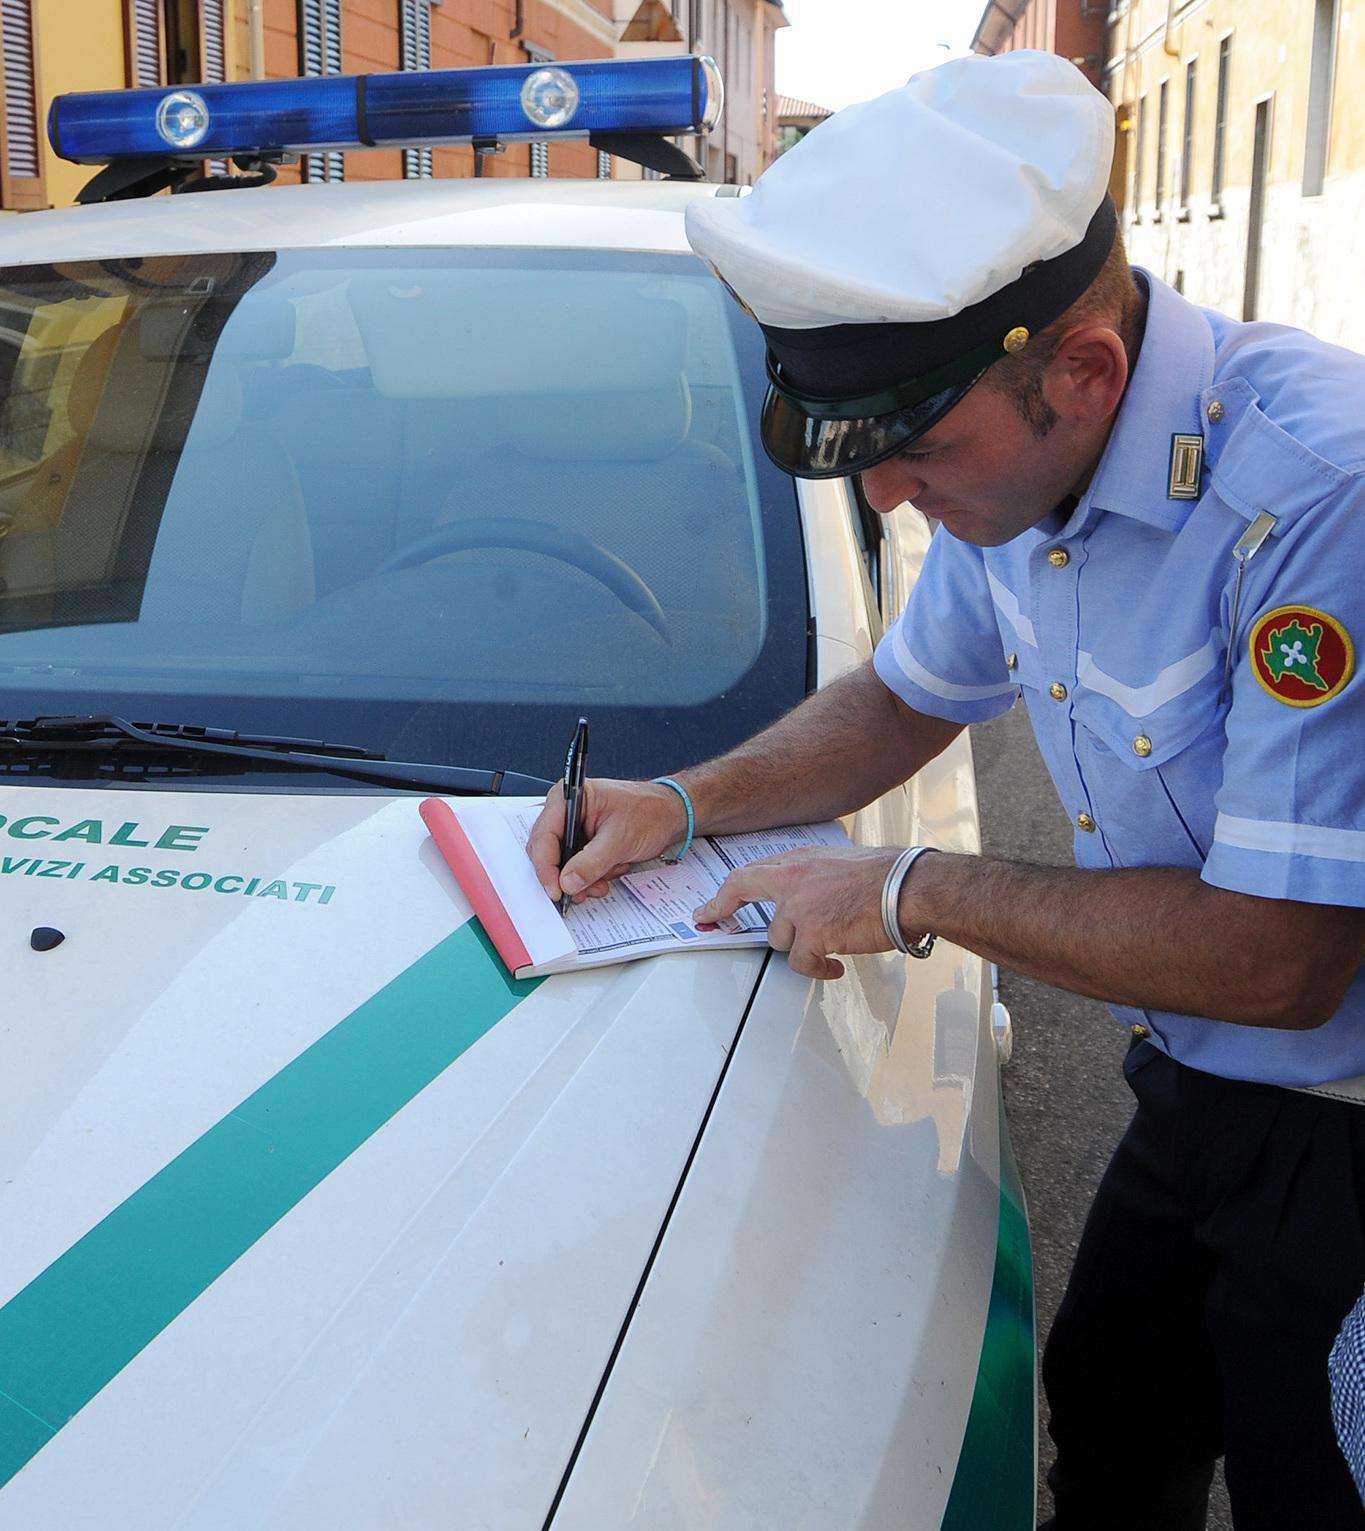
667 781
891 895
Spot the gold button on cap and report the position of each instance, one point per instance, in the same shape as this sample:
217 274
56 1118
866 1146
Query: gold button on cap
1140 1032
1215 411
1142 745
1059 558
1057 691
1085 822
1016 339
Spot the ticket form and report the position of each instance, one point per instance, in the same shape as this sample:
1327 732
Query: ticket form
652 904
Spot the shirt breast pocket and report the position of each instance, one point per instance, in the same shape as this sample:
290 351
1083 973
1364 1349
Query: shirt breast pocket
1152 754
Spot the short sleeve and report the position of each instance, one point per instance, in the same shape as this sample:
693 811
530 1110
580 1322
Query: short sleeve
944 655
1290 819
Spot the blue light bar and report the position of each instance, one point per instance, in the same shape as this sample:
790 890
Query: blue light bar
512 104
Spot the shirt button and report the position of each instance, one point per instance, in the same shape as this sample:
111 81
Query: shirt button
1057 691
1142 745
1085 822
1059 558
1215 411
1012 663
1139 1032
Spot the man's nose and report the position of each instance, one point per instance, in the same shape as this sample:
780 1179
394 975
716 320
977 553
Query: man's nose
890 483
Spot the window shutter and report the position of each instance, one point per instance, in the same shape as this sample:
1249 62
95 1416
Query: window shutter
21 183
415 18
212 41
320 53
331 14
310 37
145 49
213 56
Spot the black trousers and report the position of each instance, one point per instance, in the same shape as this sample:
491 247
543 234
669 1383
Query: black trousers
1225 1245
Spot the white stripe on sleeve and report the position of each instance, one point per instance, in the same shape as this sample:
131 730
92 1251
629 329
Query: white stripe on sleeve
1290 839
926 680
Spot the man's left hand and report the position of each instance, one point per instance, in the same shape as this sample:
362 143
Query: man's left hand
828 898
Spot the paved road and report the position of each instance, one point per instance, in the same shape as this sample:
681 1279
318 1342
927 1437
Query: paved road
1064 1094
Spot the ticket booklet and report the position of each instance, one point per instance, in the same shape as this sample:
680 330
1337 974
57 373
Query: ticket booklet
648 910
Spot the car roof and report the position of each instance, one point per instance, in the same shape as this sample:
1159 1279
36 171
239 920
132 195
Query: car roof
607 215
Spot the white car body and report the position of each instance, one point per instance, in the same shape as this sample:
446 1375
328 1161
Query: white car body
687 1243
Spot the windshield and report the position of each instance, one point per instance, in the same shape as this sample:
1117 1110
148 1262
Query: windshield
437 503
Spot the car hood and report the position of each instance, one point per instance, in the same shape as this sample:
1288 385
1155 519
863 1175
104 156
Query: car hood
309 1215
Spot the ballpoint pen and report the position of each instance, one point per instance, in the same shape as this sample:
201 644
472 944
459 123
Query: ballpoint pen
575 768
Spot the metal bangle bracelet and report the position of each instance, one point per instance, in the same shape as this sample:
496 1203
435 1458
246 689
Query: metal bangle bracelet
891 895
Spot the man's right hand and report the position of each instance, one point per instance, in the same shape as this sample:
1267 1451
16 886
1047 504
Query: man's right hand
624 822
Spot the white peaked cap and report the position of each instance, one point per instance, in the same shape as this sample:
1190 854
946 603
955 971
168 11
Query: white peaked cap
920 203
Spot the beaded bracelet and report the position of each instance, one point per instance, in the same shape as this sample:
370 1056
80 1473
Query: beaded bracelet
667 781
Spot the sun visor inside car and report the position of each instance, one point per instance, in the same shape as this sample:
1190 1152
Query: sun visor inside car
451 335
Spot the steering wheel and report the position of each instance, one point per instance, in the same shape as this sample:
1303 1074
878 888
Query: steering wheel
568 547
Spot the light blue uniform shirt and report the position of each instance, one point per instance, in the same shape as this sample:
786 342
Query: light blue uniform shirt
1260 796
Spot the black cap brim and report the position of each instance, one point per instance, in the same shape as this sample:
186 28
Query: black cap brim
808 445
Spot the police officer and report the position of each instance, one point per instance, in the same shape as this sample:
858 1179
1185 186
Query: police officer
1153 529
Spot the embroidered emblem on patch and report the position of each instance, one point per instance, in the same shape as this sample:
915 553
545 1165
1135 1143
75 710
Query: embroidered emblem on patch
1301 656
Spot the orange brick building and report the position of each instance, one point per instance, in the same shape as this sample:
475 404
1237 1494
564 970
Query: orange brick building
362 36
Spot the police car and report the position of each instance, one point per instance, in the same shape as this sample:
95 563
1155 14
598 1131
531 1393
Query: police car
319 500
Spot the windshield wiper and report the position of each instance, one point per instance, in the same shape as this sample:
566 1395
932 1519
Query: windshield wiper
106 733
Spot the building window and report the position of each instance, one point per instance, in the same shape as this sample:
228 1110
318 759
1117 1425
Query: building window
1139 144
21 170
1187 140
415 24
540 152
320 53
1260 166
1159 191
1320 83
1220 121
603 166
175 42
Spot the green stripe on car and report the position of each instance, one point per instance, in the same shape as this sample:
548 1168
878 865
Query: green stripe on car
75 1326
993 1489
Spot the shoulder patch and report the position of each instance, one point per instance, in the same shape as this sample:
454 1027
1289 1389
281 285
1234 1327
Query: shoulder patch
1301 656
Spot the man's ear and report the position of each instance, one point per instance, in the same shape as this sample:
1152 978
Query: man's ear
1085 380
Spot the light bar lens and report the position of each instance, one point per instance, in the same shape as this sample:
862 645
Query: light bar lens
550 98
182 119
514 104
